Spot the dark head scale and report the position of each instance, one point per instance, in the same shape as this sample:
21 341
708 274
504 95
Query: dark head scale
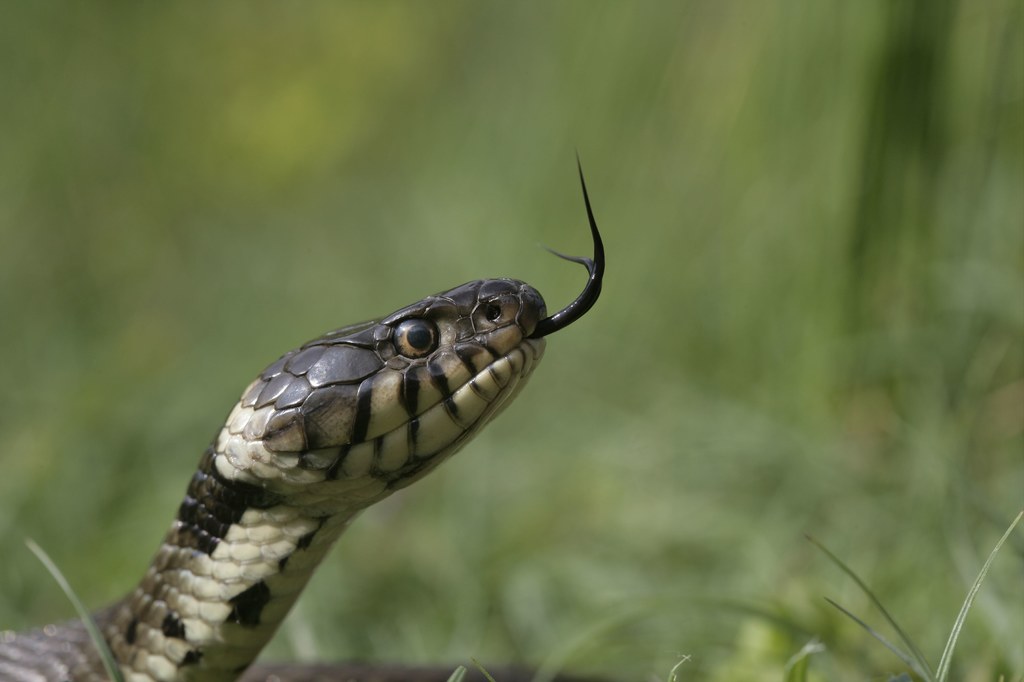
595 266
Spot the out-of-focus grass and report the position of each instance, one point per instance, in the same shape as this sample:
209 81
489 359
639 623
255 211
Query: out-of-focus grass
82 613
812 321
906 649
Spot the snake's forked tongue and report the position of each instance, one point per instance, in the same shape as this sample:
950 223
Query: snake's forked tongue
595 266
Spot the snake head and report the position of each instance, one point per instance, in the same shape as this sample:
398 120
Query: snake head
372 407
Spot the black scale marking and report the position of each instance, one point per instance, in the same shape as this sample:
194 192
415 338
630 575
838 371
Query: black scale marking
440 378
129 634
410 391
452 408
363 412
173 627
247 606
213 503
414 430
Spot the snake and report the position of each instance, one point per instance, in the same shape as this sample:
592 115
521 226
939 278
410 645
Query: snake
321 434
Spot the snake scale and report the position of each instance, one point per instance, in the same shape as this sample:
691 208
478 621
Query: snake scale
324 432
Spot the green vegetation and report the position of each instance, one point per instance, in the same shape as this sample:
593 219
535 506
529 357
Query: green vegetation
81 612
813 322
912 656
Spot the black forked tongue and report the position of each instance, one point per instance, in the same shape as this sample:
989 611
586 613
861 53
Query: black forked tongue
595 266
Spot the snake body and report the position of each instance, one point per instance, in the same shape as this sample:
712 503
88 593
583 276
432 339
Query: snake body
324 432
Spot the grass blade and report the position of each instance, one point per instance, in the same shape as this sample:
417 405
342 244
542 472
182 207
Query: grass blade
673 674
903 656
921 668
90 625
482 670
458 674
947 654
798 665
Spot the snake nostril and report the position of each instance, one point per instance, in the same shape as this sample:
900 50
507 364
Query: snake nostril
492 312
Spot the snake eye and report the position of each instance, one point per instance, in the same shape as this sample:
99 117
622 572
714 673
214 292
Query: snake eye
416 337
492 311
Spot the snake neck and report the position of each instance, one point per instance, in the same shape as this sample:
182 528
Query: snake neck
227 572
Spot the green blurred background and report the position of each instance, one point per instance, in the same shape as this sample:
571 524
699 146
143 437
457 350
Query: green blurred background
812 321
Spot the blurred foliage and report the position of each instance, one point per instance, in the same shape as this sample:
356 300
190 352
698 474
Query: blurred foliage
813 320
